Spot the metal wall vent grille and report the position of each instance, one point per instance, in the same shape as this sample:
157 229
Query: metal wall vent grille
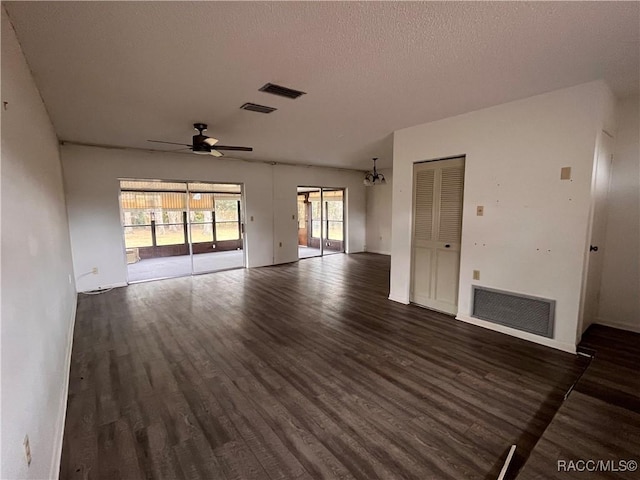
280 90
253 107
522 312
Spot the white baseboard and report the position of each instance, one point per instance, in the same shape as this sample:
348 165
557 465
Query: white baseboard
547 342
62 411
104 287
402 300
621 326
379 252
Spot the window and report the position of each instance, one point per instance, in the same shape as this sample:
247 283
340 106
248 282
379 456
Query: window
302 212
201 217
169 226
316 222
335 220
201 226
227 216
138 236
153 218
159 217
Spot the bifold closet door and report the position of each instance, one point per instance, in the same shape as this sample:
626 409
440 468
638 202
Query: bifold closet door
437 228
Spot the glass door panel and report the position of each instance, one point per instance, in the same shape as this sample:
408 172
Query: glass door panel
173 229
215 220
309 222
155 235
333 203
321 226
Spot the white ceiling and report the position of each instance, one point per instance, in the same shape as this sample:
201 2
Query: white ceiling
119 73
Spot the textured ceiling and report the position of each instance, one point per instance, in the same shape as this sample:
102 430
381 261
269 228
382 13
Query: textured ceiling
119 73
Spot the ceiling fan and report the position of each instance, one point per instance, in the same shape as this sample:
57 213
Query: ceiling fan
204 145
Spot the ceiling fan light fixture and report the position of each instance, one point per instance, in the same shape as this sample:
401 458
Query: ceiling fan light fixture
203 145
374 178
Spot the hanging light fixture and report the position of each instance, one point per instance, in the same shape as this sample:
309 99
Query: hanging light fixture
374 178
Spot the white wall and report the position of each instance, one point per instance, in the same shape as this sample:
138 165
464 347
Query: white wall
379 215
532 237
92 186
38 296
620 291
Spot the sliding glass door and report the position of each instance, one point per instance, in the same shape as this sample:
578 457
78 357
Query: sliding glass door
173 229
321 227
215 218
333 221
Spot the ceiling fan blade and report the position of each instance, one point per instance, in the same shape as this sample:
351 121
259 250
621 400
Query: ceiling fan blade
169 143
211 141
216 153
237 149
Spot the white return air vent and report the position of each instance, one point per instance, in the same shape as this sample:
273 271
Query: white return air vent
522 312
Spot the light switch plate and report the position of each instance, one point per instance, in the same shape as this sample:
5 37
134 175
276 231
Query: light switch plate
565 173
480 210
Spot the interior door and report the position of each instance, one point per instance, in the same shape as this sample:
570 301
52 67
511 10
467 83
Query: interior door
600 192
437 229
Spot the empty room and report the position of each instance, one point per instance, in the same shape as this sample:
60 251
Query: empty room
320 240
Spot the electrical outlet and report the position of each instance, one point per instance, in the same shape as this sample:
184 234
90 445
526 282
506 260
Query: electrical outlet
27 450
476 274
565 173
480 210
94 270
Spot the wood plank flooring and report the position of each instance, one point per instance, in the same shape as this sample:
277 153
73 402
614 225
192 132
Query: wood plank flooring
299 371
600 420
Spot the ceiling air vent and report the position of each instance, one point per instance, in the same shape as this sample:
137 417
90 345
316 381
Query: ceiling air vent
280 90
258 108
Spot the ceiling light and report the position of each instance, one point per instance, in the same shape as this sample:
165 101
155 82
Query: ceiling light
374 178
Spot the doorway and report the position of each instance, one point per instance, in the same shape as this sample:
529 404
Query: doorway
437 229
595 255
321 225
174 229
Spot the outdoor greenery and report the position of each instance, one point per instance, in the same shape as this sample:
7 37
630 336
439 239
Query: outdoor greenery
140 236
334 215
170 227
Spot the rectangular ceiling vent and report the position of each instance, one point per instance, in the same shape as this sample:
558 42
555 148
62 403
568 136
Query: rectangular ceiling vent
258 108
522 312
280 90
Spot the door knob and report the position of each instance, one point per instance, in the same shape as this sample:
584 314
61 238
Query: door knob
593 248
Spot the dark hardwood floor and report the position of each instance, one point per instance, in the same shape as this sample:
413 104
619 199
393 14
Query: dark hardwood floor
600 420
298 371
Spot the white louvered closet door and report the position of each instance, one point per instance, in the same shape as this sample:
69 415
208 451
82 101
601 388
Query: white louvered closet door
437 228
